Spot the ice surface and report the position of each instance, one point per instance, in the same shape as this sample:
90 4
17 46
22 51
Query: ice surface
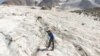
22 34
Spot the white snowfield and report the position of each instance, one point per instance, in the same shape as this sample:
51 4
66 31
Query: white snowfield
22 34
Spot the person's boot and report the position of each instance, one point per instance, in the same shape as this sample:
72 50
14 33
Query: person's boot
52 49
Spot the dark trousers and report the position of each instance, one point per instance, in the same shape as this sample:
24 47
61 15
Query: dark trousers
51 42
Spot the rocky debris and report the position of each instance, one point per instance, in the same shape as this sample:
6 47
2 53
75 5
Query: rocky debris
83 23
92 11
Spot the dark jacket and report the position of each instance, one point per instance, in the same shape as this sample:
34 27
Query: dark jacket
51 35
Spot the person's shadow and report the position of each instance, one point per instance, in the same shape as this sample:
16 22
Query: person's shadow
45 49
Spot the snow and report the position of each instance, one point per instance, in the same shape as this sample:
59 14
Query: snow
22 34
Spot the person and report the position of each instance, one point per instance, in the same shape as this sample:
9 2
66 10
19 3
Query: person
51 40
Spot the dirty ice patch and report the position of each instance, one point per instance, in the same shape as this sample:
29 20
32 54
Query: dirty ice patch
4 51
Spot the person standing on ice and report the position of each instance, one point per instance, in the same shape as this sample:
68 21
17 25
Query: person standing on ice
50 34
51 40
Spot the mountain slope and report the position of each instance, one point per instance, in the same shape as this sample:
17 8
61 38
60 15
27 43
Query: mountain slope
82 4
19 2
63 4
